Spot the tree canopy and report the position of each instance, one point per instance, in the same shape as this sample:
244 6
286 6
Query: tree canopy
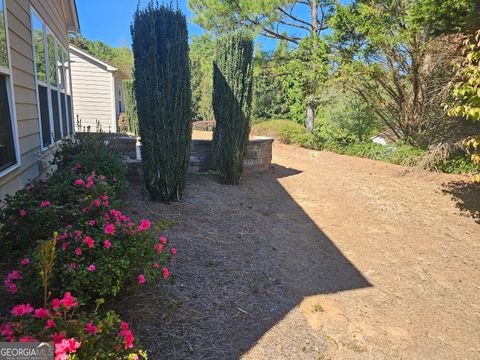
120 57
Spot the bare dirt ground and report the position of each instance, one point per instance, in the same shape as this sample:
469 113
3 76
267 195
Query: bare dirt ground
325 257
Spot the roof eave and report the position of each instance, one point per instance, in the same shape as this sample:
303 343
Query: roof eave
71 13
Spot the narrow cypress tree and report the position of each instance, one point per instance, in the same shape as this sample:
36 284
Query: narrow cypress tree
232 103
162 90
131 107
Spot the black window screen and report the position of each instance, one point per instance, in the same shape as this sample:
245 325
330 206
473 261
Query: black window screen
56 115
7 148
44 115
70 112
64 114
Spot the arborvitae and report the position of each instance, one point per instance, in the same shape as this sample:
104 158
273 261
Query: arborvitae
232 103
130 107
162 90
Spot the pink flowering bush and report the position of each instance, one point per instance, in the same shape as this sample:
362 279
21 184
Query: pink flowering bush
44 206
75 335
70 249
99 256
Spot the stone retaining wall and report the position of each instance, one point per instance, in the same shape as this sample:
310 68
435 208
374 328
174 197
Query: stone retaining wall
258 158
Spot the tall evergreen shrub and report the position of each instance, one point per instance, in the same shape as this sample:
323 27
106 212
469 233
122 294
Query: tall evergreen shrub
131 107
162 90
232 103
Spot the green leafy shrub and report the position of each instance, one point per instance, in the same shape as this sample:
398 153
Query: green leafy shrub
232 103
132 126
460 164
288 132
396 154
163 93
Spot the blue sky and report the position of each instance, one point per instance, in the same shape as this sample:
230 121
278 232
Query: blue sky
109 20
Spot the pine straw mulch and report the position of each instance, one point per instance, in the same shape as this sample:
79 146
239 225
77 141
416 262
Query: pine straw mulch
237 273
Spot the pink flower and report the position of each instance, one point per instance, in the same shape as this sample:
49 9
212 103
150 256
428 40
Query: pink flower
78 251
90 328
73 266
57 337
79 182
159 248
25 261
65 245
65 347
144 225
23 213
104 197
41 313
50 324
89 241
21 310
96 203
44 203
141 279
105 203
91 268
155 265
163 240
127 335
166 273
7 331
12 288
92 222
14 275
174 251
68 302
109 229
77 166
107 244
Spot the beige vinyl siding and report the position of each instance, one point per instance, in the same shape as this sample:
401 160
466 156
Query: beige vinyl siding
92 89
23 77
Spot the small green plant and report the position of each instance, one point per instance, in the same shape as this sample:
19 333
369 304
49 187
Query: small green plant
232 103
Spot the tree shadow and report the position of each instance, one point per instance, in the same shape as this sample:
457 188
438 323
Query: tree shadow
467 197
247 256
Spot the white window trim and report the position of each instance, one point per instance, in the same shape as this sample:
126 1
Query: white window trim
57 45
11 98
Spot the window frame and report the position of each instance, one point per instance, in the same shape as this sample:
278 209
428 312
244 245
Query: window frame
8 73
61 96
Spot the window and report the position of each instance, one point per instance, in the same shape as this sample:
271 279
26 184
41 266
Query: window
52 65
8 149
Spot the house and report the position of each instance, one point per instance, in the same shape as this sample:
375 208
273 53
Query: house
35 86
98 92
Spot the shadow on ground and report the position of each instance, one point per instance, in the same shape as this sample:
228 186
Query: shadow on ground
247 256
467 197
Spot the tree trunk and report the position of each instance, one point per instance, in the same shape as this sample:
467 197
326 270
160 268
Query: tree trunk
310 120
